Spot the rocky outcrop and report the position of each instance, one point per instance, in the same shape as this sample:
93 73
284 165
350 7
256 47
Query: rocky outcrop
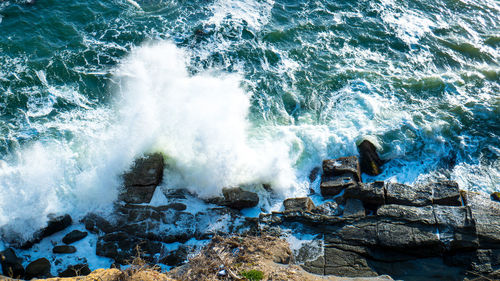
386 226
141 181
370 162
238 198
339 174
75 270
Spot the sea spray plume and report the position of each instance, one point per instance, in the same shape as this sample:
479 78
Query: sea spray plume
199 121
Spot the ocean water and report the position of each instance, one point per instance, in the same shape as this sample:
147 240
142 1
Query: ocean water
239 92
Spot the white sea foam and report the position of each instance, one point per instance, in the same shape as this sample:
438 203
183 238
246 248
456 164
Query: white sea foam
255 13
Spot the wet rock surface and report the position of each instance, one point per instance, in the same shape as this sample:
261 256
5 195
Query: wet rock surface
433 231
39 268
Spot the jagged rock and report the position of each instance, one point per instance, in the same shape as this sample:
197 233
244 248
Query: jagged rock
122 247
302 203
342 166
55 224
76 270
146 171
402 194
420 239
445 193
238 198
314 174
327 209
63 249
137 194
353 208
39 268
12 266
95 223
177 257
370 193
74 236
333 185
369 160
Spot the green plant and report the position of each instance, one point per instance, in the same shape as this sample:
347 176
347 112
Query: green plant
253 275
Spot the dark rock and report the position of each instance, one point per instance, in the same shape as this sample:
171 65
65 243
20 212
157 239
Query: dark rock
420 239
39 268
486 215
333 185
76 270
316 266
495 196
424 215
238 198
353 208
56 224
369 160
314 174
122 247
445 193
327 209
342 166
302 203
146 171
402 194
456 227
177 257
370 193
73 236
175 206
12 266
345 263
95 223
137 194
63 249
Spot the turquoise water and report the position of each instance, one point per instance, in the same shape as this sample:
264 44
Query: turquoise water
240 92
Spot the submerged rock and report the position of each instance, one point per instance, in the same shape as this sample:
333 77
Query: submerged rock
63 249
74 236
369 159
12 266
39 268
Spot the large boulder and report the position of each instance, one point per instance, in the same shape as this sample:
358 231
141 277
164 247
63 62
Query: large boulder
342 166
370 161
301 203
238 198
445 193
145 171
334 185
39 268
12 266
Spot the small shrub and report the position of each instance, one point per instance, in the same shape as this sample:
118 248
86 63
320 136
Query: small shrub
253 275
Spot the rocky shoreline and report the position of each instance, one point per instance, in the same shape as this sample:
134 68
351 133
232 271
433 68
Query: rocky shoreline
431 232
